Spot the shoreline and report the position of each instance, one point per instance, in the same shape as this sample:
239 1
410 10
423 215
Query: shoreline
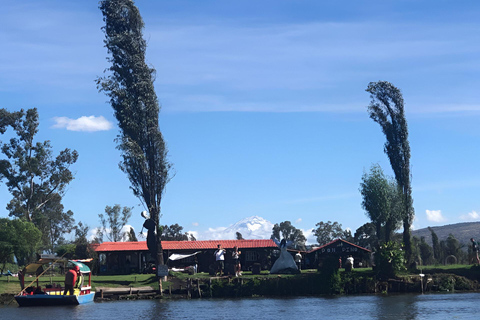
297 286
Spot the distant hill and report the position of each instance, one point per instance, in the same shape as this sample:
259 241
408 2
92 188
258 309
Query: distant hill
462 231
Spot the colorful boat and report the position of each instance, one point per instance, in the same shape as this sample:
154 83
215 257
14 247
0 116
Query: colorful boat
53 295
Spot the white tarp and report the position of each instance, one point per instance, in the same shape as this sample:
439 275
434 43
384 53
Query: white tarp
176 256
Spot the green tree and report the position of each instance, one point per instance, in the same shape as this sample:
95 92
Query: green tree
32 175
83 248
327 232
113 221
129 85
452 247
381 200
387 109
366 236
437 253
426 252
285 230
238 235
53 222
174 233
20 238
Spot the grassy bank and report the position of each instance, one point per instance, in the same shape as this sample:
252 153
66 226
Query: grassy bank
309 282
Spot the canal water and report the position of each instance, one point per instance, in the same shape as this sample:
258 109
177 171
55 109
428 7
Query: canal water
408 306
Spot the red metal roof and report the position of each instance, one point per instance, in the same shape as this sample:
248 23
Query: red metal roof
186 245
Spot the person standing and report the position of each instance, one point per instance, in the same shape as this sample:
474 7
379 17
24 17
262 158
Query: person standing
236 261
349 264
70 280
475 251
298 260
219 259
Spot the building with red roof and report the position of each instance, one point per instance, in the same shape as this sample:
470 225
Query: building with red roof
134 257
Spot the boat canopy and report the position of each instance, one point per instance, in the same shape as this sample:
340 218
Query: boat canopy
37 267
83 267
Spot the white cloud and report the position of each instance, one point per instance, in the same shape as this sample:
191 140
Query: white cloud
470 216
298 220
195 224
311 239
84 123
435 216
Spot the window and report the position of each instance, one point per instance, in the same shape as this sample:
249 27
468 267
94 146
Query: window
251 256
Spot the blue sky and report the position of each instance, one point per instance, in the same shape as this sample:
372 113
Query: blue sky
263 104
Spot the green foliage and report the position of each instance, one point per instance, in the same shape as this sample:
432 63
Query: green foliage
113 221
327 232
20 238
387 109
53 222
452 247
382 201
285 230
389 260
129 84
436 246
426 252
174 233
66 250
366 237
33 176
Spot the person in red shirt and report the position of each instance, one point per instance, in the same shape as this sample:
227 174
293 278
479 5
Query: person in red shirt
70 280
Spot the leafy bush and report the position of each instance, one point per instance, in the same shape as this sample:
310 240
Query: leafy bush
389 260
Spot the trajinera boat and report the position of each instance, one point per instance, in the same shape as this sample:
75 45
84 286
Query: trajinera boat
53 294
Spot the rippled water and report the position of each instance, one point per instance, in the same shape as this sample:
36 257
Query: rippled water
428 306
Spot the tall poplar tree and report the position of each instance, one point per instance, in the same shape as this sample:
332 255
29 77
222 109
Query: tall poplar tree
387 109
129 85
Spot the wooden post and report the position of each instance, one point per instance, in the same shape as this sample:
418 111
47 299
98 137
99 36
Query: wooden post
189 288
160 286
8 279
101 293
198 288
210 287
170 289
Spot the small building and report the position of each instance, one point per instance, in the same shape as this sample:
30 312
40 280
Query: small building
134 257
340 249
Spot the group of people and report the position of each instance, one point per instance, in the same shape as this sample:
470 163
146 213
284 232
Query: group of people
220 260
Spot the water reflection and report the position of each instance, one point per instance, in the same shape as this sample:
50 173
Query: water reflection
397 307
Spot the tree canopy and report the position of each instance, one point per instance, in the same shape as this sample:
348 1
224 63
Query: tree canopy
285 230
327 232
31 173
175 232
113 221
387 109
129 84
381 200
19 238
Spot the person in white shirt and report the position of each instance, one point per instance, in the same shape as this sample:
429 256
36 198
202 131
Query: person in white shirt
219 259
349 264
298 260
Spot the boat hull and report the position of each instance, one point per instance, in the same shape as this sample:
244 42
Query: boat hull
53 300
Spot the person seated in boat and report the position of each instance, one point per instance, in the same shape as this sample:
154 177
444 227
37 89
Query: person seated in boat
38 290
70 280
